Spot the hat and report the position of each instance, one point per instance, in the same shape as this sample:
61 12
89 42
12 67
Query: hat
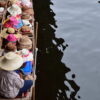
14 10
25 42
11 30
11 38
3 33
29 11
3 3
27 23
25 28
10 47
28 4
13 1
19 25
25 52
1 9
11 61
14 20
25 16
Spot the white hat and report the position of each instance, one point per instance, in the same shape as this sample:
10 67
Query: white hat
1 9
11 61
25 51
27 23
14 10
27 3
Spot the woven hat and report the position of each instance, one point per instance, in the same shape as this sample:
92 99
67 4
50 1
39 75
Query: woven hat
11 30
28 4
29 11
4 33
11 61
25 42
3 3
10 47
11 38
25 16
14 10
13 1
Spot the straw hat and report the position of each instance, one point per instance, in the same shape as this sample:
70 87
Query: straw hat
3 34
12 38
10 47
11 61
3 3
28 4
13 1
14 10
6 31
11 30
25 42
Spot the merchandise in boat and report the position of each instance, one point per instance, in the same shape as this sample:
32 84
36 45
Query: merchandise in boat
18 52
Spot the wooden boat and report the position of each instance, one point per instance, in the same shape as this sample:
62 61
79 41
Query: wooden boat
33 37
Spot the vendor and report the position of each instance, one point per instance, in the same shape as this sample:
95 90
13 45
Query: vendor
11 85
27 56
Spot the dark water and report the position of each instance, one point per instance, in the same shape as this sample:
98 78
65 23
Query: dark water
69 49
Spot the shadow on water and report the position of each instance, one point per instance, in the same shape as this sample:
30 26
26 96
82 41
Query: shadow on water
50 70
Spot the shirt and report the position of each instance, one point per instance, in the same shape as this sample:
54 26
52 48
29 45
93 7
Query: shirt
10 84
29 57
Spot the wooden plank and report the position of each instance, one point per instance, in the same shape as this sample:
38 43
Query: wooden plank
33 93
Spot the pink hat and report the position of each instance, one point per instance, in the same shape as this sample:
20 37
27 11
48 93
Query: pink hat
12 38
14 20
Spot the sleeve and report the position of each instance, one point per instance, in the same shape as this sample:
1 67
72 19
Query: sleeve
30 57
19 83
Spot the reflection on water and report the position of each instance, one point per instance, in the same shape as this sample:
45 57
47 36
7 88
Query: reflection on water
51 79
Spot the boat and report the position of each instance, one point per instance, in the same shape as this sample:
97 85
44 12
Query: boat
34 26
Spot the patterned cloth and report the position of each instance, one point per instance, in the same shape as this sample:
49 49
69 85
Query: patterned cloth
10 84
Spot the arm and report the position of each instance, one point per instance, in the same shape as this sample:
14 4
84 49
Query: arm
18 81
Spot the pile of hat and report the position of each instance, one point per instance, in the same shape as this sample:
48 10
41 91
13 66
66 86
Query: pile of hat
18 23
16 32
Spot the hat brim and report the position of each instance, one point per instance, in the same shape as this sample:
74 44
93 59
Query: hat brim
11 65
14 13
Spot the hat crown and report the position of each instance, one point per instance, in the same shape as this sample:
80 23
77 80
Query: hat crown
10 56
11 37
11 30
14 6
1 9
24 39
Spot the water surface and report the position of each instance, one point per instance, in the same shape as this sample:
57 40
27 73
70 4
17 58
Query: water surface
79 26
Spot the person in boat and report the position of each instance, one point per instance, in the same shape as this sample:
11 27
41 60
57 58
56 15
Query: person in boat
11 84
27 56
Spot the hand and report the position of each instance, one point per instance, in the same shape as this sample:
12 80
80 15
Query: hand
30 77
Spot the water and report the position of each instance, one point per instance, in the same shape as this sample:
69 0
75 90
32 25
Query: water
78 26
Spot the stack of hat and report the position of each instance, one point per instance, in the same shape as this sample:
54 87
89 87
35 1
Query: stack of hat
10 47
3 3
25 42
14 10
